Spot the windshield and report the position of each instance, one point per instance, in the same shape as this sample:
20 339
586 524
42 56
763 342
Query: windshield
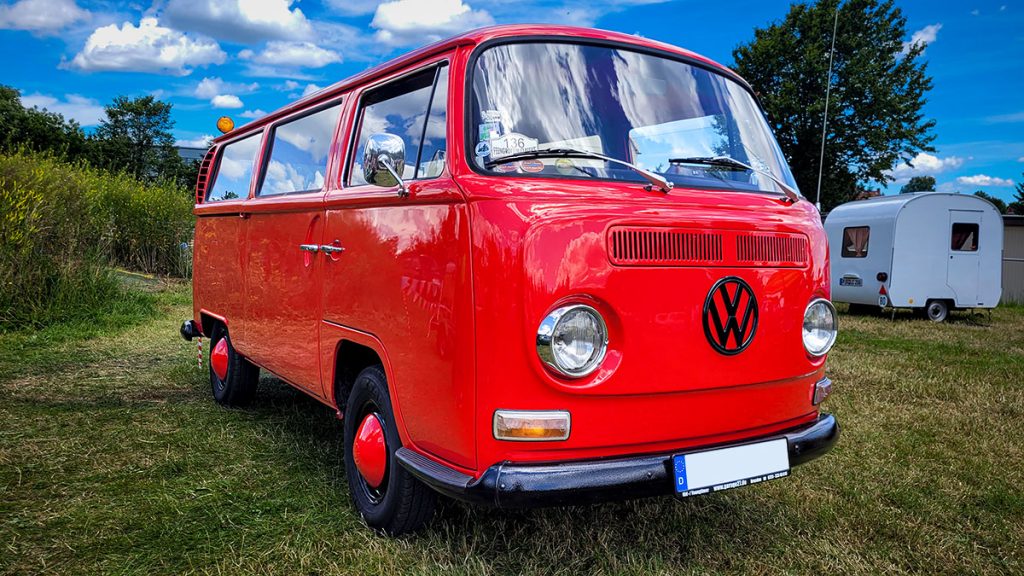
647 110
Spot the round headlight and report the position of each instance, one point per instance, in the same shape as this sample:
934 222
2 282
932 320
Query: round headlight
820 327
572 340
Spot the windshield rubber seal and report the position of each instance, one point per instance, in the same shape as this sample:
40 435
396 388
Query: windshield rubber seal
603 43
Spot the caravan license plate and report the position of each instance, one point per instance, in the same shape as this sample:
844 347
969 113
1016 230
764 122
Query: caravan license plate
850 281
733 467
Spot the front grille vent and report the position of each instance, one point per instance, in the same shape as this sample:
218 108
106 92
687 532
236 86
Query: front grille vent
777 250
665 246
634 246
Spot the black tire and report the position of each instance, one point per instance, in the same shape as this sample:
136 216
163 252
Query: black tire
239 385
937 310
863 310
401 504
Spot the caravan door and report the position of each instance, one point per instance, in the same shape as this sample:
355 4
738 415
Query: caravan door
963 270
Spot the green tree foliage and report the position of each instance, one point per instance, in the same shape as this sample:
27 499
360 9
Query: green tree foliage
919 184
999 203
878 90
37 130
135 138
1017 205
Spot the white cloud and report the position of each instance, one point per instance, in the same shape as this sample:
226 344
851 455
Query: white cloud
240 20
226 101
1005 118
41 16
149 47
297 54
211 86
199 142
310 89
85 111
257 113
983 180
1021 159
925 36
924 164
404 22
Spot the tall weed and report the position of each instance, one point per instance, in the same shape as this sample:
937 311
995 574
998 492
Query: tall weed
63 225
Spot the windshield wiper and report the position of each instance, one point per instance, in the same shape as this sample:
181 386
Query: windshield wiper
730 162
657 180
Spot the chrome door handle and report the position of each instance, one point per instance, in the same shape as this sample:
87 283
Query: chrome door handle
331 249
309 247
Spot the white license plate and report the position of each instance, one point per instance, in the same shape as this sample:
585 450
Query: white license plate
733 467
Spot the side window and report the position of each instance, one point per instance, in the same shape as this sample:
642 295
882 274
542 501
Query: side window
298 153
401 109
964 237
855 242
432 154
234 172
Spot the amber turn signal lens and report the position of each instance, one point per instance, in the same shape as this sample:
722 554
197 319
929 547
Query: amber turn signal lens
225 124
527 425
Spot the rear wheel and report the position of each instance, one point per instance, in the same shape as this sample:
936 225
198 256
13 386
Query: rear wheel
937 310
388 498
233 379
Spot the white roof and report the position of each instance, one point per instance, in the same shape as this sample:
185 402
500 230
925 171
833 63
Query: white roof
888 207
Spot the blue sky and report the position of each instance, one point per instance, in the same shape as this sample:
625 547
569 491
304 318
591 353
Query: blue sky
246 57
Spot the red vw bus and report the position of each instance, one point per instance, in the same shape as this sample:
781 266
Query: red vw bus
529 265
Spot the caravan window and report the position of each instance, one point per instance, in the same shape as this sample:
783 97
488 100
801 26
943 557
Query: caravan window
964 237
855 242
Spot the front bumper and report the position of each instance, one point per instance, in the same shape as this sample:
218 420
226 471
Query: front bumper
508 485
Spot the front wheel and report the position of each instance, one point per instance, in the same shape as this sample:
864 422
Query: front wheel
937 310
387 497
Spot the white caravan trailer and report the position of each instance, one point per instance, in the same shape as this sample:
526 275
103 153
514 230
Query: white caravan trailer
930 251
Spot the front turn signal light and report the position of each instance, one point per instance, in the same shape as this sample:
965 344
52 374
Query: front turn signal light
531 425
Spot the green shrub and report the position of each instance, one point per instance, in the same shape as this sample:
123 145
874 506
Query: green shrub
63 225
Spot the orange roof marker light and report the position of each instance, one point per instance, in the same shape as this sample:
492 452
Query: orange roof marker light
225 124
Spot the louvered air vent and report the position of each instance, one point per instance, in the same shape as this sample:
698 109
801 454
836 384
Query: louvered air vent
649 246
774 250
204 175
664 246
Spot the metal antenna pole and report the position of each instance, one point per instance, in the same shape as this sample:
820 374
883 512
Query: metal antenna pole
824 119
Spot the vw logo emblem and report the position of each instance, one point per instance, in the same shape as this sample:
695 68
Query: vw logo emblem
730 315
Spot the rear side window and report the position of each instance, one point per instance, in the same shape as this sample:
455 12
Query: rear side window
298 153
855 242
964 237
402 108
234 172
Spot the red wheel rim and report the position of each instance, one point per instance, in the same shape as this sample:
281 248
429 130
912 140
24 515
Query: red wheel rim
370 451
219 358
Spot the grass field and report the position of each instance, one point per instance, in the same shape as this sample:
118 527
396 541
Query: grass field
114 459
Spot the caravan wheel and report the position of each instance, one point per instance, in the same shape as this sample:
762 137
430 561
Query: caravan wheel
937 310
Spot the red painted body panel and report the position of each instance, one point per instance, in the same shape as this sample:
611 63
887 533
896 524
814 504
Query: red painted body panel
449 285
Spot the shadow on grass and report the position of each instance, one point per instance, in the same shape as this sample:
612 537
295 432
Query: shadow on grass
580 538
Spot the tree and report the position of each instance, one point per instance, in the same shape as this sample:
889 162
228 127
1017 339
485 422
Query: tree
999 203
1017 205
875 114
36 129
135 137
919 184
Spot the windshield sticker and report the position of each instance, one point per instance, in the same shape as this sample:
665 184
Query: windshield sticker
483 149
490 130
512 143
565 166
532 165
506 167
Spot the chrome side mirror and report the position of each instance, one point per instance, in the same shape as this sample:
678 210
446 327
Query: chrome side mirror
383 157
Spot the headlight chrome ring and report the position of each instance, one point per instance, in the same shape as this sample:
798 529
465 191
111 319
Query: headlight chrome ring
820 327
572 340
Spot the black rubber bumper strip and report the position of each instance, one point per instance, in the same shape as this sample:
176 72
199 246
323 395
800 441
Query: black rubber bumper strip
508 485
